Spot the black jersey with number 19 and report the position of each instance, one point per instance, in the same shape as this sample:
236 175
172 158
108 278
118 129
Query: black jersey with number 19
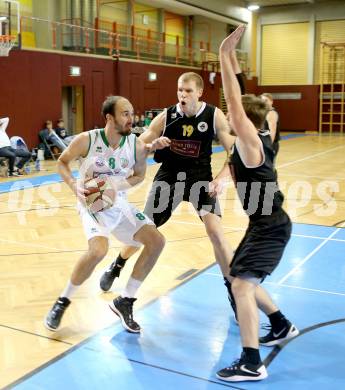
191 137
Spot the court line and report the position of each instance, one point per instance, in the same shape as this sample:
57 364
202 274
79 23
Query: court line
34 334
286 285
309 256
293 234
89 338
273 354
310 157
307 289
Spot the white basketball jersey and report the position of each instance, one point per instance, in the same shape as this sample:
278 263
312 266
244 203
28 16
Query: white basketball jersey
102 160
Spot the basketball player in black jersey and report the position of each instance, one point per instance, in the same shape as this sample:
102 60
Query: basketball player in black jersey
272 122
188 129
252 169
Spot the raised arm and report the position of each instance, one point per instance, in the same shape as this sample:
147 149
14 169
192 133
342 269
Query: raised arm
249 140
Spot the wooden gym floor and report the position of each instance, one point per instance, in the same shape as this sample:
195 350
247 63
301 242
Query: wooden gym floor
41 239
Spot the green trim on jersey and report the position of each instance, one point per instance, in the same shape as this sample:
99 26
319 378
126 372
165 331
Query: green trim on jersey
122 141
89 145
104 137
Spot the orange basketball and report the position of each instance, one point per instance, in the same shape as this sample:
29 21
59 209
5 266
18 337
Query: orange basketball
101 194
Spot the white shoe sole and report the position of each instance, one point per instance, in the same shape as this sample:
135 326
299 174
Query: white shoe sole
293 332
239 378
48 327
118 313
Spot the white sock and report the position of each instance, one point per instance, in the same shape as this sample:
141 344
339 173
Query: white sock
69 291
131 288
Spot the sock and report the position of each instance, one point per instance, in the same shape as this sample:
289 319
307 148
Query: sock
131 288
251 356
120 261
277 320
69 291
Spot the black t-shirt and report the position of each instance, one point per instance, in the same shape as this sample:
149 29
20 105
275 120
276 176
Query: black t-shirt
257 187
191 137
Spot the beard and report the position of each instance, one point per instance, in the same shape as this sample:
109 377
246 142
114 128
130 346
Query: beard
123 130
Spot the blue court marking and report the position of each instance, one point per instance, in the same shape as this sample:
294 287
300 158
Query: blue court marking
189 334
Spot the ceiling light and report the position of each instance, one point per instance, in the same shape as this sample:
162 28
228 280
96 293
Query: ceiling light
253 7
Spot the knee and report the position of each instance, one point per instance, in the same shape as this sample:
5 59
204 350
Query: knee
97 251
155 243
215 236
241 288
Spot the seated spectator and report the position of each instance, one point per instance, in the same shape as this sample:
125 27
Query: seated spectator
50 135
148 119
7 151
138 121
63 133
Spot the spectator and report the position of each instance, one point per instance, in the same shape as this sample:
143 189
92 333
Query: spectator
7 151
63 133
148 119
139 121
50 135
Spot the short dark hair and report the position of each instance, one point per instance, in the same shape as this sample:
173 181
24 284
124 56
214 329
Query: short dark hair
109 105
256 109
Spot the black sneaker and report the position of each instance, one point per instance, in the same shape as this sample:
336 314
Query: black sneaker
240 371
110 274
123 307
277 337
53 319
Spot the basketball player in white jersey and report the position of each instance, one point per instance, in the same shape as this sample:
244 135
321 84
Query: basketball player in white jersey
116 154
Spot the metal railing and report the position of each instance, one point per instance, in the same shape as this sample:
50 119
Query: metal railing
111 39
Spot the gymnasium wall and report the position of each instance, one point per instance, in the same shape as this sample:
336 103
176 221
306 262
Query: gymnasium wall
32 88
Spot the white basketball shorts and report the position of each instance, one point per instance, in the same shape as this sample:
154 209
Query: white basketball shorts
122 220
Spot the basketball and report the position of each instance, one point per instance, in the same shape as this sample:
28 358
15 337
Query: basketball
101 194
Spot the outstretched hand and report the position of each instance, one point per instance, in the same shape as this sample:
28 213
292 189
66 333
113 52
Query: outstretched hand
158 143
230 42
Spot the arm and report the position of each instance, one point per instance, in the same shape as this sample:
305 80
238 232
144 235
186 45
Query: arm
152 137
77 148
272 119
227 141
139 169
155 129
223 131
238 71
249 140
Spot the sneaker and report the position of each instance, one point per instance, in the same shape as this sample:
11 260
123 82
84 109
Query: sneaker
123 307
53 319
274 338
240 371
109 275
